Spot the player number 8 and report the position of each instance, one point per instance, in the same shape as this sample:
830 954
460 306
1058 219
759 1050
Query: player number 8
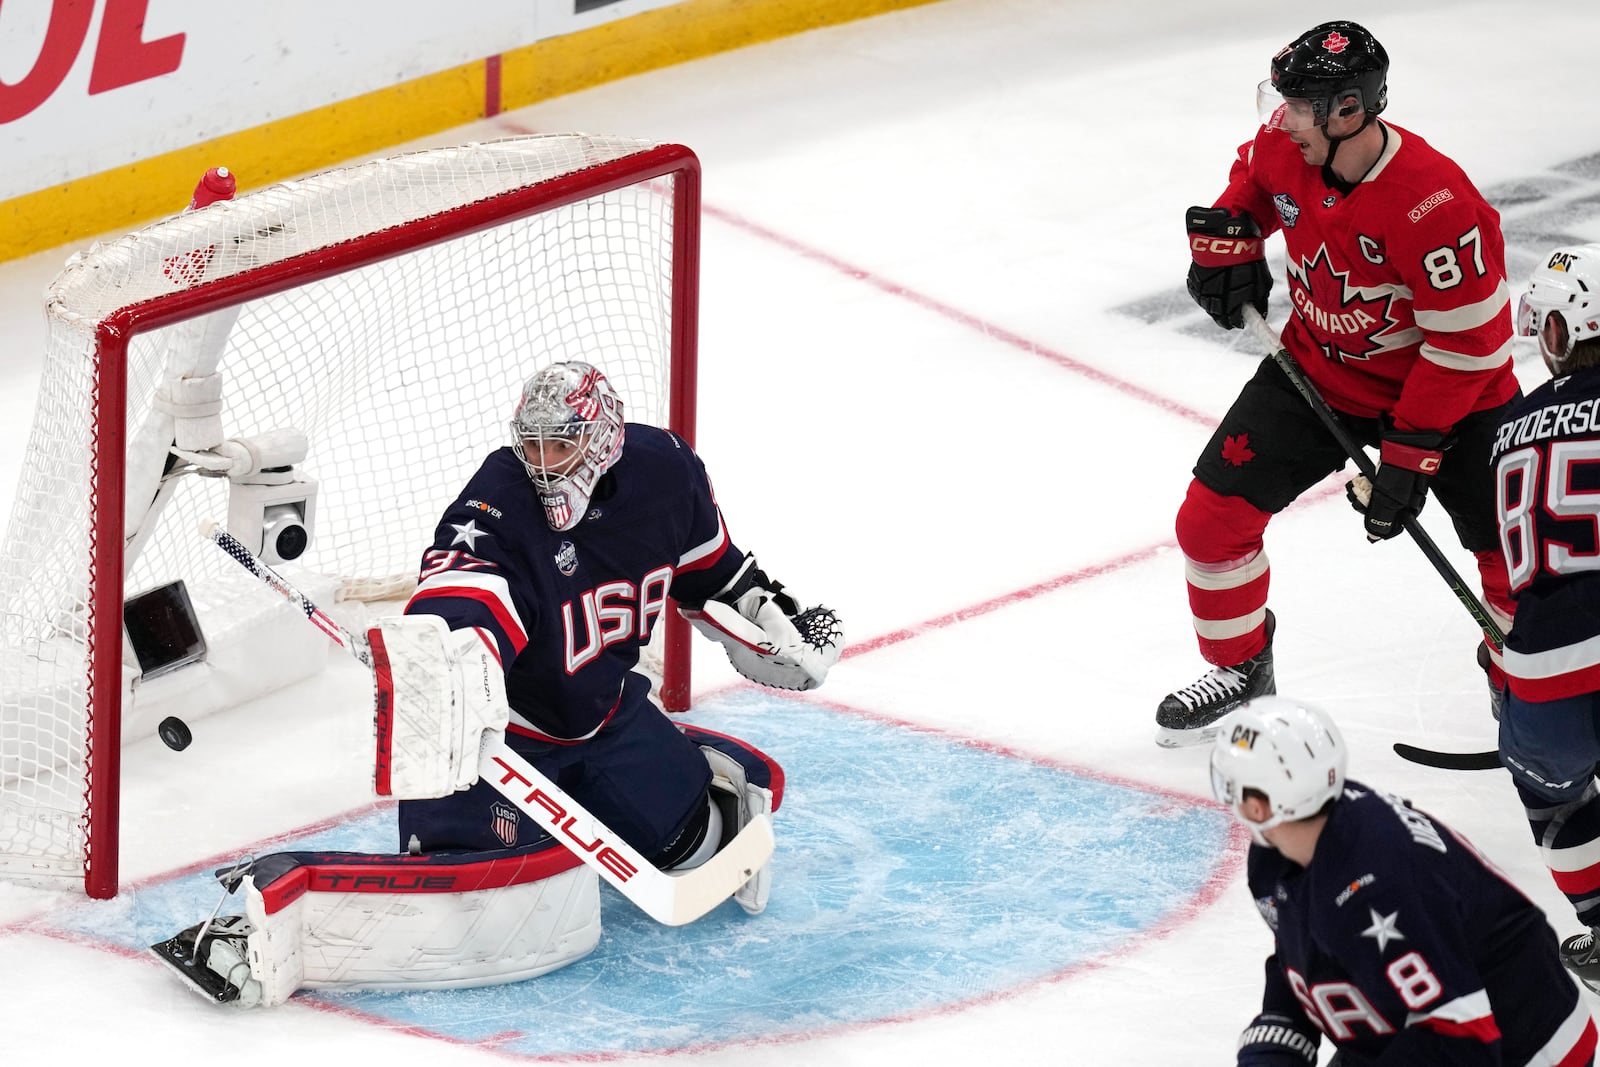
1414 980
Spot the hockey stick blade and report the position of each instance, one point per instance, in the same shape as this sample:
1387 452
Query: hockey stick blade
1449 761
670 898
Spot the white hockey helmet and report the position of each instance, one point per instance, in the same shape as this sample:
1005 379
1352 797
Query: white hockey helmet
1290 752
568 431
1562 305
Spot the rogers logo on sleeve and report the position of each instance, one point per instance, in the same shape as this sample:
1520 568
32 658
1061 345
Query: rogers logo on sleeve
1443 196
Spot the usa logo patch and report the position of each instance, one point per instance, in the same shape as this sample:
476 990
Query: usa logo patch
503 821
558 509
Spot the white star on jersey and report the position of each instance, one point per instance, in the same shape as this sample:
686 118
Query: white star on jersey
467 533
1383 928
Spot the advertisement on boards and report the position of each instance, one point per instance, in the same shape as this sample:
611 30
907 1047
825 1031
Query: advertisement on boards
92 85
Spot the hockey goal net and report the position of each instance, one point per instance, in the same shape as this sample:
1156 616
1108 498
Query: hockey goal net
336 353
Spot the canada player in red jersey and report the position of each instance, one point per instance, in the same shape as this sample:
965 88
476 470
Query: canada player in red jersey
1399 315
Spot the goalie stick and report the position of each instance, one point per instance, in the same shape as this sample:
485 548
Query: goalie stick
669 898
1458 761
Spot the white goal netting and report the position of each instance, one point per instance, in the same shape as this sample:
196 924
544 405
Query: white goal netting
387 312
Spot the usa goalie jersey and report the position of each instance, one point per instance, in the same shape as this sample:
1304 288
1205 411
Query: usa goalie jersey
568 613
1402 945
1397 286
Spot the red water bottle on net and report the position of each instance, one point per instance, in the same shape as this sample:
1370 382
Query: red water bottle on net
217 184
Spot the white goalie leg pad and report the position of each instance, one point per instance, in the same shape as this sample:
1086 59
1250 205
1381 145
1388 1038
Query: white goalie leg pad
368 938
739 802
273 956
439 692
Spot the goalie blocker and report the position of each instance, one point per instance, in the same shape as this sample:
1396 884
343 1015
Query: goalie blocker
769 639
439 691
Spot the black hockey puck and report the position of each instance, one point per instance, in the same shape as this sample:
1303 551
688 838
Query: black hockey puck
175 733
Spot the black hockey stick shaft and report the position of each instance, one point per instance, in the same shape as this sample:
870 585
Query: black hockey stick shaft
1291 369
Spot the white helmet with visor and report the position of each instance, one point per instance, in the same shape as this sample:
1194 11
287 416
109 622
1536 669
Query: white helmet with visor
1562 305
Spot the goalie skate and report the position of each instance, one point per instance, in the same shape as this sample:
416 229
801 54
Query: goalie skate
220 969
1188 716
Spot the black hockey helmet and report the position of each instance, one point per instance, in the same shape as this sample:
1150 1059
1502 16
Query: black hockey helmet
1331 63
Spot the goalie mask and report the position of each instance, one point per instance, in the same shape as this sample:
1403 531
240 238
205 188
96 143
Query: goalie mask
568 432
1288 751
1562 305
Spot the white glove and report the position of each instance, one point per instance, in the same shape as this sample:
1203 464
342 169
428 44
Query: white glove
767 644
442 691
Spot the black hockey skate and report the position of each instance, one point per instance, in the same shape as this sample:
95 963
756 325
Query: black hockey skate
1189 715
1581 955
220 970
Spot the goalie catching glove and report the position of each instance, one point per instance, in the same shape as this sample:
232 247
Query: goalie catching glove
769 639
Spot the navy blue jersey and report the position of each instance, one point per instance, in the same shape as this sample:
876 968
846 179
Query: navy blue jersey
1399 940
1547 477
568 613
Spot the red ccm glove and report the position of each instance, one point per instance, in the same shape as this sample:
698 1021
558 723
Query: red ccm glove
1230 266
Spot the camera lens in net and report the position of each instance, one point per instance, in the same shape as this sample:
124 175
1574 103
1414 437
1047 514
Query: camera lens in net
283 527
292 541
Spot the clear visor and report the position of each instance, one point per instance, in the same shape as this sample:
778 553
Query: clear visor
1279 112
1221 786
1549 325
1225 790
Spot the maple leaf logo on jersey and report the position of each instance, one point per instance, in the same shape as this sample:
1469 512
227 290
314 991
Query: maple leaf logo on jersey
1347 322
1335 42
1236 450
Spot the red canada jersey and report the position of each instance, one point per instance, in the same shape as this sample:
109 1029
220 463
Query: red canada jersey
1399 294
